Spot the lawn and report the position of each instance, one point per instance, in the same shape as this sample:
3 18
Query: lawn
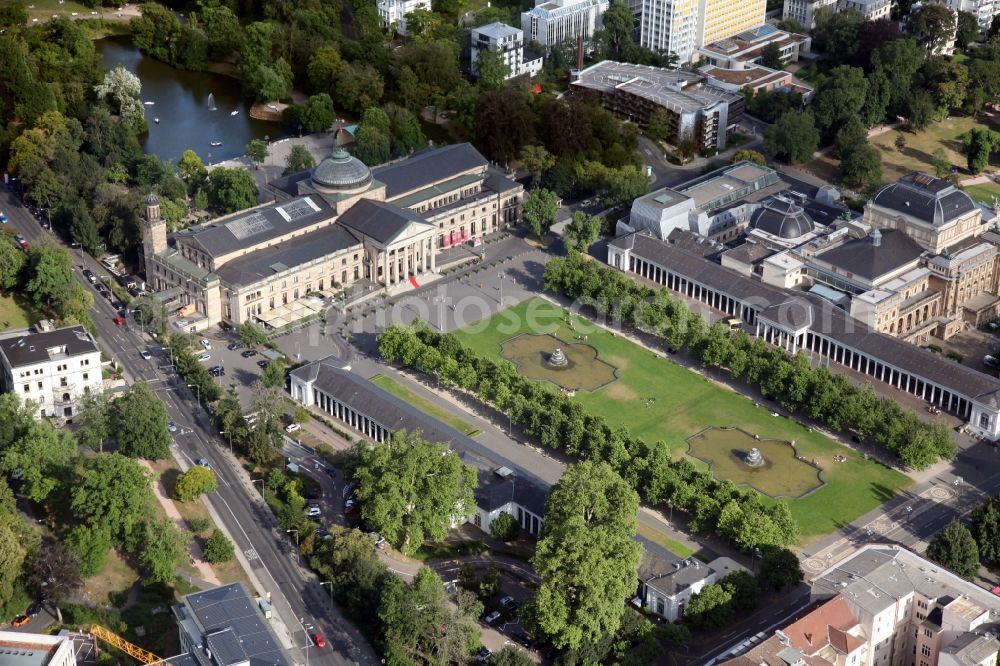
406 395
662 401
675 547
915 155
983 192
15 313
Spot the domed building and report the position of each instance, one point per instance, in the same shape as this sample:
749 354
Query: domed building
330 229
782 218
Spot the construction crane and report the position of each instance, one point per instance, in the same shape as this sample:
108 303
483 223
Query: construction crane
134 651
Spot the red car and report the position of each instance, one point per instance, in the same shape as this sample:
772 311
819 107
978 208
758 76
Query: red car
119 320
20 621
319 640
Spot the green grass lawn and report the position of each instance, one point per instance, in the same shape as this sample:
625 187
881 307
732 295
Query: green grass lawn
916 155
675 547
685 403
983 192
16 313
427 407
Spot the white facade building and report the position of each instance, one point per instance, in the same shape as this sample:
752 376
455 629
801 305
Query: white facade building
665 588
393 12
684 26
52 369
984 10
509 41
26 649
552 23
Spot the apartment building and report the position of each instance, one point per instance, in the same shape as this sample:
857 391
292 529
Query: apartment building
52 368
804 11
684 26
393 12
744 49
983 10
21 648
509 42
552 23
696 108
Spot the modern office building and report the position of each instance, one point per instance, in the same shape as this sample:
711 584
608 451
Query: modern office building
684 26
393 12
744 49
804 11
341 225
552 23
18 648
509 42
886 606
51 368
697 109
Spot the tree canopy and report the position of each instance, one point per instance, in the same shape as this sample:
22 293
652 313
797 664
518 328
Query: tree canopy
955 548
139 421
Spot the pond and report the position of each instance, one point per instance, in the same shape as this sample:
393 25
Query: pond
580 368
180 99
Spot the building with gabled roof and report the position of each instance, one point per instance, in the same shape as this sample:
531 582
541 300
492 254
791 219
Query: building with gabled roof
336 227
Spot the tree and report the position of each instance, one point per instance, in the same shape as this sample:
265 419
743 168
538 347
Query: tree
504 123
586 558
839 97
540 209
299 159
372 146
111 493
770 56
163 545
191 170
195 482
986 530
252 334
862 168
661 125
90 544
747 155
977 144
932 26
230 190
851 134
35 448
124 89
218 548
13 15
511 655
955 548
794 137
898 62
317 114
222 30
411 489
256 150
582 230
274 374
93 420
139 421
941 163
504 527
711 608
12 263
967 30
616 36
49 272
779 568
920 112
491 70
837 32
13 552
55 574
535 159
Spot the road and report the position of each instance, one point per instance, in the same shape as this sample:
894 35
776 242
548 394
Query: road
297 596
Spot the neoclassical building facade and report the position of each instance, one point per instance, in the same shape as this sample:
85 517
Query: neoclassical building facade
337 226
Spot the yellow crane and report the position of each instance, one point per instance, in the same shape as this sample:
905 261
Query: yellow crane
134 651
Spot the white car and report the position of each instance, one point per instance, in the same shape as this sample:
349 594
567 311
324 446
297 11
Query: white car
204 357
292 427
205 343
491 617
313 511
172 427
145 355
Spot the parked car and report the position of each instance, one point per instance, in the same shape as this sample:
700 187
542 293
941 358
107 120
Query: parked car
508 603
351 507
319 640
217 371
3 219
250 353
313 511
228 328
119 320
204 357
491 617
484 654
991 362
172 427
262 363
144 353
20 621
201 462
233 346
292 427
205 343
89 274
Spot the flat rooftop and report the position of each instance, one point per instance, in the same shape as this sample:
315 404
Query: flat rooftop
23 649
679 91
751 76
716 185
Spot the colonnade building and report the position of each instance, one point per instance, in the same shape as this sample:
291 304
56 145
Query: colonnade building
338 226
800 321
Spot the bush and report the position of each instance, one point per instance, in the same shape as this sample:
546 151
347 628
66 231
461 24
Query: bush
504 527
195 482
218 548
199 524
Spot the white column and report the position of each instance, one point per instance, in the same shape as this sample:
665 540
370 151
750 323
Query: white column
432 250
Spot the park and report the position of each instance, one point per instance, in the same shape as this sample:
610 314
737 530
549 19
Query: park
660 400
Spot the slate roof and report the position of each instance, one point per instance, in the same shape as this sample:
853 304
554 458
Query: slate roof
749 253
265 262
251 227
234 627
428 166
782 218
829 321
494 491
926 198
971 648
863 257
330 376
690 572
497 181
28 349
379 220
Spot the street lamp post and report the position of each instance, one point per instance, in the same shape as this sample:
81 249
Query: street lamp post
330 583
296 538
228 432
502 276
197 388
261 487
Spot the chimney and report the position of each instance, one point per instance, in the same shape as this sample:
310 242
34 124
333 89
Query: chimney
876 237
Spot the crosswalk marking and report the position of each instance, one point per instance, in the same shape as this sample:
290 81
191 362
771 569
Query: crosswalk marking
251 554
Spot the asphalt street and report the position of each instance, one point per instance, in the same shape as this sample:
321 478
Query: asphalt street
300 601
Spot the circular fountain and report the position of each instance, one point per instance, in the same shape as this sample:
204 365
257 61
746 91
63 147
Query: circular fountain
754 458
558 359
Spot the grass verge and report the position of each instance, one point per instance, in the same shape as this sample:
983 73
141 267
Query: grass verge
675 547
406 395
